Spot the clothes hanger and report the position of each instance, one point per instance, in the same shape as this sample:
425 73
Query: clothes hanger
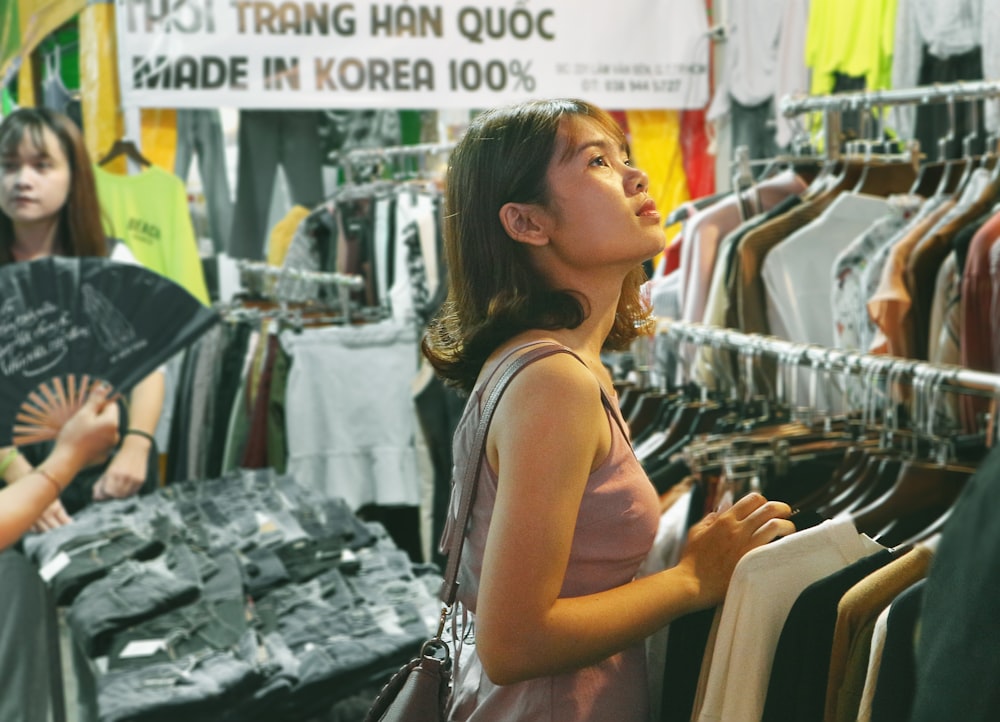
928 174
946 184
123 146
878 152
686 209
972 161
924 488
862 457
833 160
865 145
993 155
744 182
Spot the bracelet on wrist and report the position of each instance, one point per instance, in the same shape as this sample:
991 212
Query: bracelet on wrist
7 460
47 475
143 434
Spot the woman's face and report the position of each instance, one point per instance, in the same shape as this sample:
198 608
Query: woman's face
599 202
35 181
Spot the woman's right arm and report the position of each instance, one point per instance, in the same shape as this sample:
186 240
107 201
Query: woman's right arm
17 467
549 433
86 438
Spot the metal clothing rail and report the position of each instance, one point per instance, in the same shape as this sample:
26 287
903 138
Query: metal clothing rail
297 285
264 270
792 105
948 378
416 149
352 159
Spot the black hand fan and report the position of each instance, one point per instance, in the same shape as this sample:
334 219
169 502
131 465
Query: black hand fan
66 323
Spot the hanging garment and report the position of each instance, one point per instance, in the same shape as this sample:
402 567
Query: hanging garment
704 231
895 677
283 234
923 264
796 685
956 667
884 281
944 336
763 588
933 42
721 307
199 132
856 614
148 211
747 85
796 272
699 162
671 535
752 249
269 139
853 38
415 274
348 442
791 73
977 319
850 317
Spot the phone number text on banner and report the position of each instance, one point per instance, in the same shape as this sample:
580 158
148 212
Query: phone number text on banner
451 54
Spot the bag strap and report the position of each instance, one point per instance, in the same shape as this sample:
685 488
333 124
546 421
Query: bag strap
477 453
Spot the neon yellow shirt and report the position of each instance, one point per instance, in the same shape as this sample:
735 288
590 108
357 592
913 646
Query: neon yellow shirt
852 37
149 213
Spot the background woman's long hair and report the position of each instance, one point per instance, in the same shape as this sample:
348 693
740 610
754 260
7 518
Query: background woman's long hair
494 293
80 232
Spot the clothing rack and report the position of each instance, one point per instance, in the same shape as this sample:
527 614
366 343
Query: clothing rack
833 105
297 285
921 375
792 105
353 159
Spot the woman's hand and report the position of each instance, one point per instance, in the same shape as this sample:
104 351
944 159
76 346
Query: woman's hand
717 542
92 432
53 517
126 473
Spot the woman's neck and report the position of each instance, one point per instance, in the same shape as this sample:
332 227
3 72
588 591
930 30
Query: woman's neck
37 241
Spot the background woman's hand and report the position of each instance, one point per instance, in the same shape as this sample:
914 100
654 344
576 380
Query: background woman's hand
717 542
125 474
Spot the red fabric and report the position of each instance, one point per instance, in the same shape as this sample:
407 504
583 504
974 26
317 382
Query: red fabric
976 337
672 256
255 451
699 166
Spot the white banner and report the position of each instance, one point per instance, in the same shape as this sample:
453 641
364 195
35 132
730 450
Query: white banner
286 54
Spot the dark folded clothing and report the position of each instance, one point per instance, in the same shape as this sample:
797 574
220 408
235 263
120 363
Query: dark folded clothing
305 559
130 593
91 558
192 688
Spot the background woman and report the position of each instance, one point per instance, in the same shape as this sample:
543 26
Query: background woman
49 206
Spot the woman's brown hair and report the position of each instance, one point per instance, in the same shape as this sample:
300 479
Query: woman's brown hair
494 293
80 232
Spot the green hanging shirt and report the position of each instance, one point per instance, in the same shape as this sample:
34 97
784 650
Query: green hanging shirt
148 212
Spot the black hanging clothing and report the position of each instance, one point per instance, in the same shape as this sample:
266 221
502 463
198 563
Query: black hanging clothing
894 687
957 663
797 686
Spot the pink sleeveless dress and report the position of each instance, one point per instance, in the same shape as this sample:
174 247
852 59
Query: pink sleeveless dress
614 532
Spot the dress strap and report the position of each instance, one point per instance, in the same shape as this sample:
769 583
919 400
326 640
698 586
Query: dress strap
609 403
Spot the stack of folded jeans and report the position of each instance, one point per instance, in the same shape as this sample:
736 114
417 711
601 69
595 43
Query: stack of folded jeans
241 598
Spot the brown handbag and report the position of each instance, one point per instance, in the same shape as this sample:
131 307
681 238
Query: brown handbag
421 689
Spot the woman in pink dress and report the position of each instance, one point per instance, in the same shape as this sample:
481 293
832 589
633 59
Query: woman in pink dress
547 224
